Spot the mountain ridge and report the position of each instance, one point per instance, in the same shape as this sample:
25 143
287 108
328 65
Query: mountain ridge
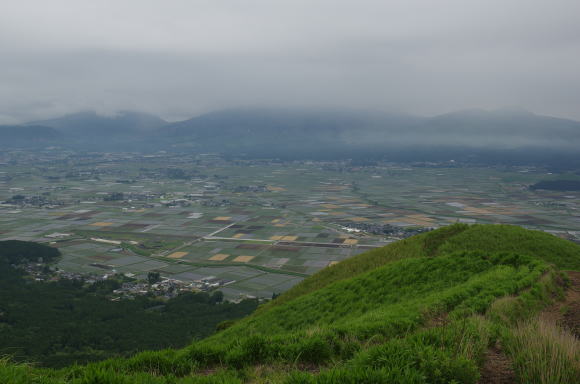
90 123
508 135
29 135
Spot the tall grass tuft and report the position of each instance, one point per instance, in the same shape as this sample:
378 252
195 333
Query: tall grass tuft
544 353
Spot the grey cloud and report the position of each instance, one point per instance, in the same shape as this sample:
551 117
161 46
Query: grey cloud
180 58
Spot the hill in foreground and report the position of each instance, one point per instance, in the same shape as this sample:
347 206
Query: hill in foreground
429 309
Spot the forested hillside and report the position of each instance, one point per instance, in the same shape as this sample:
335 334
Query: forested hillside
68 321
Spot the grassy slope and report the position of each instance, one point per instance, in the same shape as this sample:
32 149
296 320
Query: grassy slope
367 261
369 319
397 293
493 238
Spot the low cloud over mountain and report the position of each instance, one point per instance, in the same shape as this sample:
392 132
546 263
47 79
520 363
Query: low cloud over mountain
317 133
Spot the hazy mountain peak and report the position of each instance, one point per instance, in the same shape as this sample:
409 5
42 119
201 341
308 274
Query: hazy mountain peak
514 111
508 111
91 123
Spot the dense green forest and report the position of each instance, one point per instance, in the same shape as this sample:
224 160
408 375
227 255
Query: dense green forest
15 251
558 185
427 309
63 322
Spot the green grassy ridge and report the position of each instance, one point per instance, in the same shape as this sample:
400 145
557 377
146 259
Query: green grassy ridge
451 353
509 238
400 290
364 262
494 276
457 237
366 322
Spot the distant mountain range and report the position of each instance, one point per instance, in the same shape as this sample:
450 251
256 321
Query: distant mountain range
315 133
92 125
28 135
505 128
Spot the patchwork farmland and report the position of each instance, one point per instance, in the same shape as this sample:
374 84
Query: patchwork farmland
254 228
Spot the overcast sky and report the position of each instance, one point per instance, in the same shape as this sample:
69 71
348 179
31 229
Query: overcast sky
179 58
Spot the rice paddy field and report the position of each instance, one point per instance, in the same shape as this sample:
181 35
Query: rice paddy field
258 227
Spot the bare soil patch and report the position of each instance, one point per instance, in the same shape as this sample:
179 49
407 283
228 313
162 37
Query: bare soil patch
566 313
497 368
